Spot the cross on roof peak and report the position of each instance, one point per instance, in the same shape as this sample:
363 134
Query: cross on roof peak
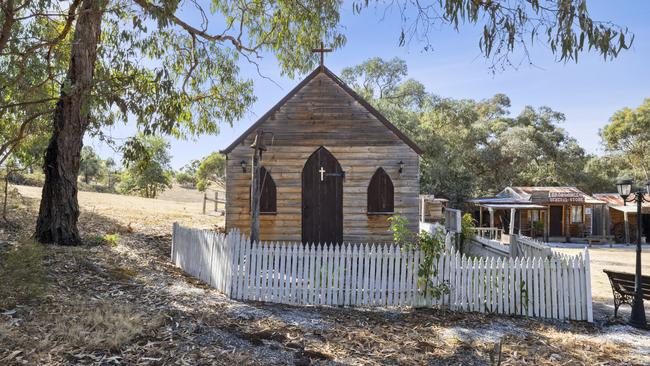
322 51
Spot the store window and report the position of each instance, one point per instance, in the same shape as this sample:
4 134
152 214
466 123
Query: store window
576 214
534 215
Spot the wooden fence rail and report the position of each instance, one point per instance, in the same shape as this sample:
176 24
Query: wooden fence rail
383 275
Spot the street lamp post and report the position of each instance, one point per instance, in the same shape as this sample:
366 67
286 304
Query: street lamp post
624 187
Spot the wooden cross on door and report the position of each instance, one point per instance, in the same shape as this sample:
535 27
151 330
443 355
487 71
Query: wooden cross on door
322 174
322 51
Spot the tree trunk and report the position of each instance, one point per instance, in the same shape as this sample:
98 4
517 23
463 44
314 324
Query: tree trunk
59 210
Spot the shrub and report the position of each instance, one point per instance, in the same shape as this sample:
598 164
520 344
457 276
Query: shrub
185 180
432 246
110 240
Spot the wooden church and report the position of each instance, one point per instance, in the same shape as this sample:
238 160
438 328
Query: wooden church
334 169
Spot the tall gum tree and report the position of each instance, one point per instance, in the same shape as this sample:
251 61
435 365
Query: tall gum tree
59 210
190 84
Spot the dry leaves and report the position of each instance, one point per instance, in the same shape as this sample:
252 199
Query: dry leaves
129 305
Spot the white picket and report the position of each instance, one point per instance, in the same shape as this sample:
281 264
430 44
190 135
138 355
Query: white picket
565 294
320 270
578 294
517 286
588 299
371 274
558 286
547 287
572 307
390 281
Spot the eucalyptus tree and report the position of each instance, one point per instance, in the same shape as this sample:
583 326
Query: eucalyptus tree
172 75
509 28
628 135
149 172
472 147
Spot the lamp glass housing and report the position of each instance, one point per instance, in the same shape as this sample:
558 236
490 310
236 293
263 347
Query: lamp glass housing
401 166
624 188
243 165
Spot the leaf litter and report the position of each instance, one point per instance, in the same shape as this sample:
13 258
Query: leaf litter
128 305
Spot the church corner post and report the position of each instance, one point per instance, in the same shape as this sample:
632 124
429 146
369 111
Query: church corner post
258 147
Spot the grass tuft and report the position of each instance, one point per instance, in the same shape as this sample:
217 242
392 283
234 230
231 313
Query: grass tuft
24 278
110 240
103 326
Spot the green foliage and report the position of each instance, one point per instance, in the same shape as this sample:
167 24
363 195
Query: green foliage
538 228
90 165
467 225
512 26
472 148
185 179
211 169
148 172
628 135
431 245
111 239
195 82
32 61
24 277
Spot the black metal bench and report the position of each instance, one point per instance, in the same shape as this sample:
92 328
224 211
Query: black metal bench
623 288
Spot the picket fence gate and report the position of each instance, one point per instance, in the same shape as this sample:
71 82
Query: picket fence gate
383 275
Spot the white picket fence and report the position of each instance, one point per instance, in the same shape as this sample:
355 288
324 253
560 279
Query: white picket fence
529 247
383 275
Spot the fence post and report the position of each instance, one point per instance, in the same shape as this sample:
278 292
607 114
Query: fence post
205 198
216 201
587 268
174 228
513 246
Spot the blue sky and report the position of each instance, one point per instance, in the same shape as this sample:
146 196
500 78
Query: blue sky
588 93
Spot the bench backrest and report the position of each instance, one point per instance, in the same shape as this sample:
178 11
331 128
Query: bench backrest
624 282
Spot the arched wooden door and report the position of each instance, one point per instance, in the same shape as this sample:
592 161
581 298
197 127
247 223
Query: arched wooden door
322 199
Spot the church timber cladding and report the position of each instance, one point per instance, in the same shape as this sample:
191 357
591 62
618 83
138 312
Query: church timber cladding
338 168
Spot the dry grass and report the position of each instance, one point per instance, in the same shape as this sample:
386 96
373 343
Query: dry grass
135 213
23 274
102 326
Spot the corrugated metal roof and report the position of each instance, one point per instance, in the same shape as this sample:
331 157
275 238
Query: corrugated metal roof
522 195
614 199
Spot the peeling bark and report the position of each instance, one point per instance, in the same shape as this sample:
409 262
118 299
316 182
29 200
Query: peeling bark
59 210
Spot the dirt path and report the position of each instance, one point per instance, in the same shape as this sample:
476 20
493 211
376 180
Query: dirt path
617 259
128 305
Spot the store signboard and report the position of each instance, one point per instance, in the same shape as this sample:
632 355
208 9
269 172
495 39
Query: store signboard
546 197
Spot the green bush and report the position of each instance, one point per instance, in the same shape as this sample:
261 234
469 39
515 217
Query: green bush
432 246
110 240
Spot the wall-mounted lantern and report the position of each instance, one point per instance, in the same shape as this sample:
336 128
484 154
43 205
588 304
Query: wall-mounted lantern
243 165
401 166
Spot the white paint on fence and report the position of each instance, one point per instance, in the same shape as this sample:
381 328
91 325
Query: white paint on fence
383 275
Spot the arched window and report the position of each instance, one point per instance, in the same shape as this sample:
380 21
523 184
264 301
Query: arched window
268 204
380 193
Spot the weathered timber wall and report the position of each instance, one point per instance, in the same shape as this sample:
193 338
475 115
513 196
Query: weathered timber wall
323 114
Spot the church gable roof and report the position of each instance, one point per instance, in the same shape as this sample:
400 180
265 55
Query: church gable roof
324 70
